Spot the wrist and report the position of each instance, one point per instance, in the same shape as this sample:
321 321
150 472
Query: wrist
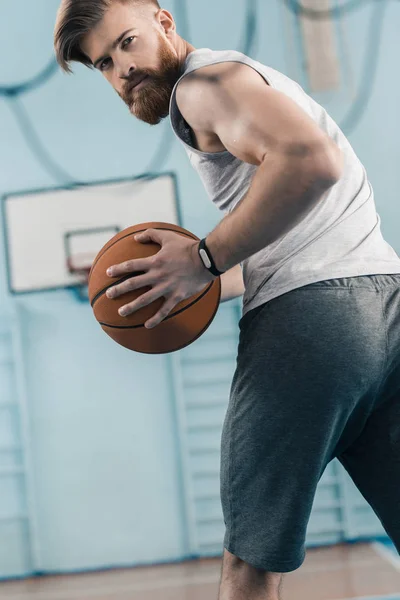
207 258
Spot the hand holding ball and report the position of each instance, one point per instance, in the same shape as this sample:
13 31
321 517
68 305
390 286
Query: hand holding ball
185 323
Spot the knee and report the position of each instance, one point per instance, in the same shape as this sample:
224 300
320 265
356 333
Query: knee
239 575
234 563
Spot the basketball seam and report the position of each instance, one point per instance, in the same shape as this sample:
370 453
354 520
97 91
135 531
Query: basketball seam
104 290
194 339
136 233
166 318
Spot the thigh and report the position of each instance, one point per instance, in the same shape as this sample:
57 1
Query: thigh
373 459
373 462
308 366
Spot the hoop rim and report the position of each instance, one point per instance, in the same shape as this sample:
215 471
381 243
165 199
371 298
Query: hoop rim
80 271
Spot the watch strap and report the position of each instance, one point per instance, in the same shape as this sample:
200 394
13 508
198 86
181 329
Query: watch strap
207 259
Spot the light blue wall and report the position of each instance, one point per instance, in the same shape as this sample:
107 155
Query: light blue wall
104 445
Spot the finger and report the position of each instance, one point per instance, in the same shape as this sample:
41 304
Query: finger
150 235
143 237
163 313
141 302
130 266
133 283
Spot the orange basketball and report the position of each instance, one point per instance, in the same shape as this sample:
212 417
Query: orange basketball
187 321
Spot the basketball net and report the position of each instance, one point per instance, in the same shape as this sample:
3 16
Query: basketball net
80 266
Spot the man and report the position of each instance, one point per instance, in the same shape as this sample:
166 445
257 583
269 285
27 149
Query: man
318 369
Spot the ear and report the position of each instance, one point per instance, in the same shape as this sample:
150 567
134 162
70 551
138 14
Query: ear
166 22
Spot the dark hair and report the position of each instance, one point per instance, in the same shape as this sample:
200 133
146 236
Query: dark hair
75 19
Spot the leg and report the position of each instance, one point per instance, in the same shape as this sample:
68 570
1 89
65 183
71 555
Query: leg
373 462
373 459
241 581
308 367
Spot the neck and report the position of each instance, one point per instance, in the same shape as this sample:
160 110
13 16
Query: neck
183 49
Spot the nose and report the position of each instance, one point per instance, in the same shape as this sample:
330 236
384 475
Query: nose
124 67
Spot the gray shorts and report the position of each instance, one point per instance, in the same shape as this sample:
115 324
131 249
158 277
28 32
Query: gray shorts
317 378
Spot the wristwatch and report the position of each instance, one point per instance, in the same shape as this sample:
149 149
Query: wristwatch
207 259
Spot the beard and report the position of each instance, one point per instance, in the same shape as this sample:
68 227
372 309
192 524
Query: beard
151 103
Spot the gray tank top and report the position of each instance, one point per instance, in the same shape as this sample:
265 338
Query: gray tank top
340 237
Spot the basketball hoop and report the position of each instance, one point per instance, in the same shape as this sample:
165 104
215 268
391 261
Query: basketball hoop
79 266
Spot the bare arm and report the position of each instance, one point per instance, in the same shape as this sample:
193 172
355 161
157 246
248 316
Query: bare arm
232 285
297 162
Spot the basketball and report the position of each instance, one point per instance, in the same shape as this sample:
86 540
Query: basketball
185 324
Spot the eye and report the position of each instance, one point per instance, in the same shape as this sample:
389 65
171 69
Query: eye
126 42
105 64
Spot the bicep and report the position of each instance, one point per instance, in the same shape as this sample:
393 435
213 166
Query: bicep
250 118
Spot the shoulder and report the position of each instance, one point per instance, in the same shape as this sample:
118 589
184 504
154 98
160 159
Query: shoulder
202 93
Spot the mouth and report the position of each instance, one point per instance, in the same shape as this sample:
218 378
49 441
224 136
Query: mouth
138 84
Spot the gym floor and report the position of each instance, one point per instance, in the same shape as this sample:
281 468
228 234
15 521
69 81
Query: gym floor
358 572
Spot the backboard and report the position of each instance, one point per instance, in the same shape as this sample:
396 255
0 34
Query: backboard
45 230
